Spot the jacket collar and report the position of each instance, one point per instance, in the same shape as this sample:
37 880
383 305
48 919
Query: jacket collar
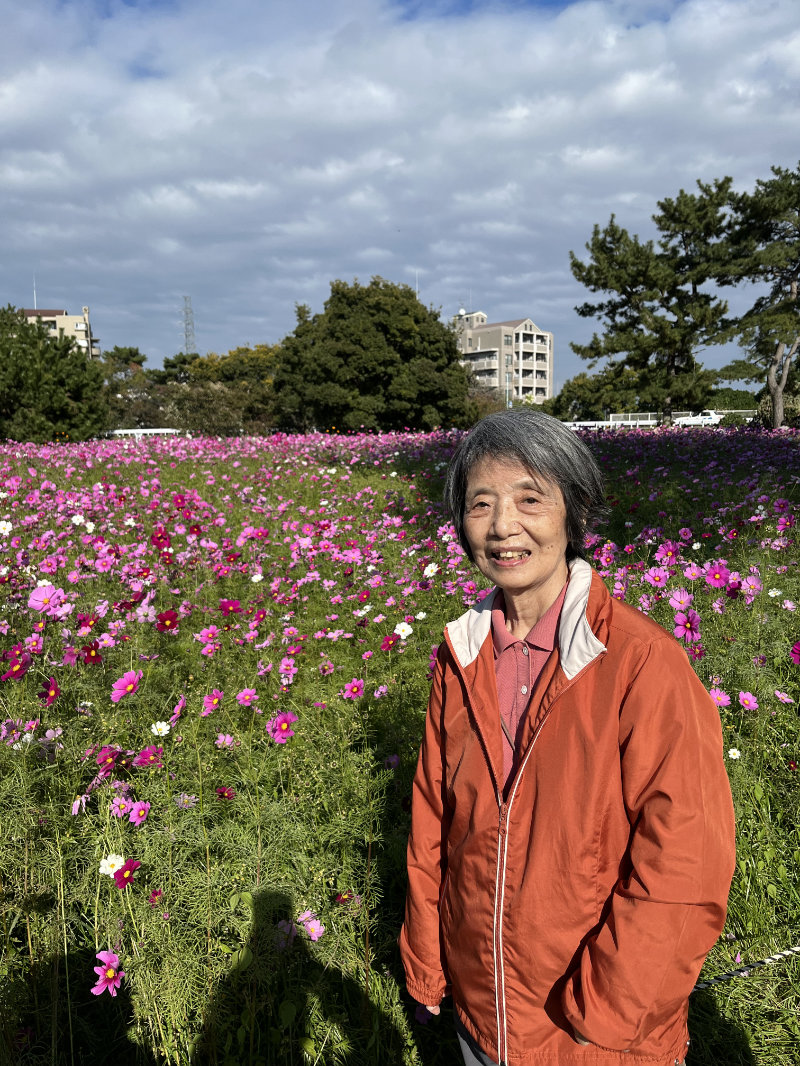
577 644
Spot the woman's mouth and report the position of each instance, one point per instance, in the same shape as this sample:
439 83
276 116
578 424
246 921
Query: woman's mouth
508 556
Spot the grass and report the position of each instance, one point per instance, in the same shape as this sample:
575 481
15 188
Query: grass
324 542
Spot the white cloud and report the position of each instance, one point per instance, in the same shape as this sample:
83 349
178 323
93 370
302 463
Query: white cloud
247 154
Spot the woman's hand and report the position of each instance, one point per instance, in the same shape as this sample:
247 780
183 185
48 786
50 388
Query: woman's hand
435 1009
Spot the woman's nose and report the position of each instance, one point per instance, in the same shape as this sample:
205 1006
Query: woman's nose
504 522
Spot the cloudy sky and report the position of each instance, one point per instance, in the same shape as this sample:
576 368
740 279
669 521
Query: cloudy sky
247 152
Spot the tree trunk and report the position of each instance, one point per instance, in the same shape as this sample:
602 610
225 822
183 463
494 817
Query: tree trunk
777 374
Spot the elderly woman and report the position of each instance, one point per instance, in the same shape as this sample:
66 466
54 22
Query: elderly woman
572 839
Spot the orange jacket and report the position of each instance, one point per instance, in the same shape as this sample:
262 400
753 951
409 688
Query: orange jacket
592 894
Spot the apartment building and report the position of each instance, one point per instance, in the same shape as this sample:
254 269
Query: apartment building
515 357
62 323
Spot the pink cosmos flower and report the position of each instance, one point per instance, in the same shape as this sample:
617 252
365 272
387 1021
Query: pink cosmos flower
107 756
784 697
224 740
177 710
120 806
211 701
246 696
150 756
126 685
692 571
314 928
656 576
353 689
139 813
748 701
687 625
124 875
280 727
717 574
794 653
41 599
109 974
680 599
722 699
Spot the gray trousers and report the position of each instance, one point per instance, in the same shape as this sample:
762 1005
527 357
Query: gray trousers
473 1055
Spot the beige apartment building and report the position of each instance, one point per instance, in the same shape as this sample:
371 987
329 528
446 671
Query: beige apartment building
515 357
61 323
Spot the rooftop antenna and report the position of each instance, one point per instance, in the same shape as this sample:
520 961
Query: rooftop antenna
34 292
189 343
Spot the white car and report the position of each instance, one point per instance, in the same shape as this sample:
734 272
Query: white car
705 418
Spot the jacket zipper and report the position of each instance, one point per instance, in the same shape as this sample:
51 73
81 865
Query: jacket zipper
497 937
500 884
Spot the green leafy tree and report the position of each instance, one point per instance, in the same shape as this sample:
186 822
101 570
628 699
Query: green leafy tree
592 397
659 306
177 368
127 389
247 373
374 358
765 238
50 388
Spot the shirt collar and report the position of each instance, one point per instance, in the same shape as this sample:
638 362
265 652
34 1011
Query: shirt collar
542 635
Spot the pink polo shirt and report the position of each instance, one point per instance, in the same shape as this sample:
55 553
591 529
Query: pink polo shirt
517 665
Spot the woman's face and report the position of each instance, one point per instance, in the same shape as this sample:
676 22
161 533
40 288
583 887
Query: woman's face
515 523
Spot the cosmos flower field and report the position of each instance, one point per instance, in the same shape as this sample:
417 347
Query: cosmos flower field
214 676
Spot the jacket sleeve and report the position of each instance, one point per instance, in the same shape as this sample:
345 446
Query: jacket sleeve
637 969
420 939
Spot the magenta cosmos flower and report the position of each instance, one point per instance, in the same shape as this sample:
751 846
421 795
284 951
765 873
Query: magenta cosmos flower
353 689
150 756
125 685
794 654
139 813
211 701
722 699
246 696
109 974
748 701
687 625
50 692
124 875
716 574
280 727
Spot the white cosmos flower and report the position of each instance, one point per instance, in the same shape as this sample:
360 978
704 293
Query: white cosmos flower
734 753
111 864
774 592
77 520
160 729
403 630
256 578
430 570
5 528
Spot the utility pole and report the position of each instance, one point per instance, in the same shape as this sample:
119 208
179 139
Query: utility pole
189 343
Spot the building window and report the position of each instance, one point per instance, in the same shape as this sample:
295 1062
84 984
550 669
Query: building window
507 338
469 342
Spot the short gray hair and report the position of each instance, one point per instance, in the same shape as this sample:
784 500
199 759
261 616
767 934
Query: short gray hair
546 448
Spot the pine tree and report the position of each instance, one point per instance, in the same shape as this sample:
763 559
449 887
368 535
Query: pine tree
660 307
